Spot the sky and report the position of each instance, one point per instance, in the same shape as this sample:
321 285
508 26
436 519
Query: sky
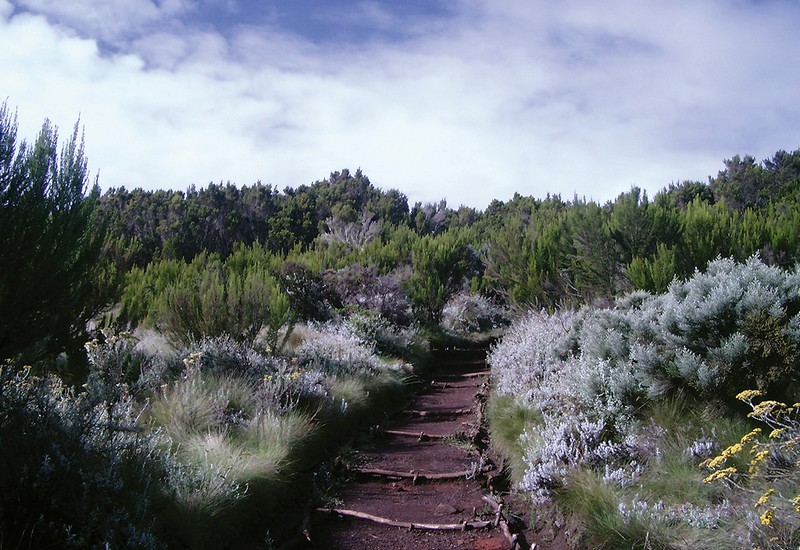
463 100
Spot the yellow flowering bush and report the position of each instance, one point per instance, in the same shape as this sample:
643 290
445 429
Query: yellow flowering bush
771 471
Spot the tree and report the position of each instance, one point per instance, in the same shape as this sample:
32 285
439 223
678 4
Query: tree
595 263
742 184
49 243
526 258
441 264
631 225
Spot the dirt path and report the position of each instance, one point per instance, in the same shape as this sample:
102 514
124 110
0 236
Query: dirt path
422 482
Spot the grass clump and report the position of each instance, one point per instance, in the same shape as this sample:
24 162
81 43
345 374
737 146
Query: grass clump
607 520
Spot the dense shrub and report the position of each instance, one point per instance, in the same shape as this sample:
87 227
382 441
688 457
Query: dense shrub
593 377
240 298
467 313
75 471
337 348
364 288
441 265
389 339
309 295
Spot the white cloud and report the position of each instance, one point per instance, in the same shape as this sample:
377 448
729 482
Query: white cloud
528 97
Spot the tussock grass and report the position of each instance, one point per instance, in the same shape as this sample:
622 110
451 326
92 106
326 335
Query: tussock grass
674 476
201 402
508 420
667 505
587 495
243 457
276 439
213 447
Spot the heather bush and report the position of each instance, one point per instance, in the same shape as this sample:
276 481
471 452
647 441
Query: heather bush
389 339
531 352
310 296
240 297
441 265
337 348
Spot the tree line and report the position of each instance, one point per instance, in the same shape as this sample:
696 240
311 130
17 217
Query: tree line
535 252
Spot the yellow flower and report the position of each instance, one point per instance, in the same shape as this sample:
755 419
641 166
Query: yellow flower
796 502
777 432
766 407
764 498
716 462
736 448
719 474
755 464
748 395
747 437
766 517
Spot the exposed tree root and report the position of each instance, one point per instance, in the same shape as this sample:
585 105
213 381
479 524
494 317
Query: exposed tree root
437 412
464 526
499 521
465 474
422 436
463 375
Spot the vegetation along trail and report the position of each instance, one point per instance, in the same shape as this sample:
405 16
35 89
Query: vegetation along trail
424 480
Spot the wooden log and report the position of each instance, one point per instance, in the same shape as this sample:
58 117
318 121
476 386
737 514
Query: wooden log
466 525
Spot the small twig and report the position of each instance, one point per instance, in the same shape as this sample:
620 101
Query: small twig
455 384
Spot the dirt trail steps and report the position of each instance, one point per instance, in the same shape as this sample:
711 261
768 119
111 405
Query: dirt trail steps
422 482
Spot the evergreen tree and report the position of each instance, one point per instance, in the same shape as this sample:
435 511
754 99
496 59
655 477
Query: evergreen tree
441 265
49 243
